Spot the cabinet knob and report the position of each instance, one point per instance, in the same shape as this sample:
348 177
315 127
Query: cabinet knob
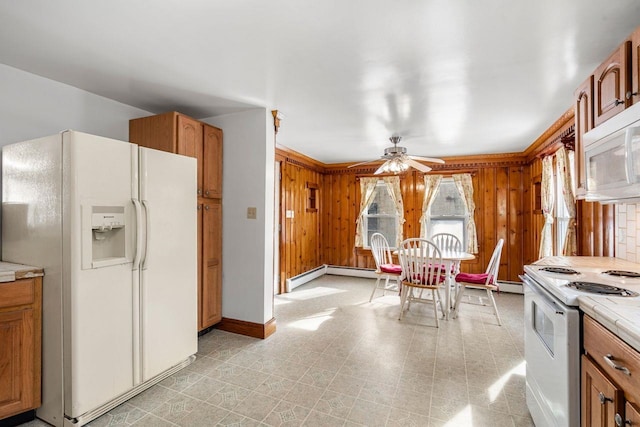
620 422
630 94
618 102
206 193
199 191
206 207
604 399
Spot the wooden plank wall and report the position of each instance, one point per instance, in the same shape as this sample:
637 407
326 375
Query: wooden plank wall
309 240
503 192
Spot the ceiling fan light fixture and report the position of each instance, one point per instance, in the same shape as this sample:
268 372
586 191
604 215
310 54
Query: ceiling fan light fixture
394 166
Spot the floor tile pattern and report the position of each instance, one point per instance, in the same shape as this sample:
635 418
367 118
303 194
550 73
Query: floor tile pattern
339 360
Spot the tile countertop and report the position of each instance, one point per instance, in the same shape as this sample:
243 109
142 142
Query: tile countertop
10 272
619 315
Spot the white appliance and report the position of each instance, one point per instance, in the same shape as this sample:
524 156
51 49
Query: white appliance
114 226
552 331
612 158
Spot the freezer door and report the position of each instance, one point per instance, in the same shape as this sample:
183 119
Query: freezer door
168 272
99 229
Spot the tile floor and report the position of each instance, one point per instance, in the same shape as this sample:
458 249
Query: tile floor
338 360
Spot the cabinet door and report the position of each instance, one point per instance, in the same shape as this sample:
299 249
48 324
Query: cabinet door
190 142
17 361
200 235
583 124
212 175
631 415
211 264
633 95
601 399
611 84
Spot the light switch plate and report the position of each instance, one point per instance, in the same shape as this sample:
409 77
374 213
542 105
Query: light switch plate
252 213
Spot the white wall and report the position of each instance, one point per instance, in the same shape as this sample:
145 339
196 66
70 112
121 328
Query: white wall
247 244
32 106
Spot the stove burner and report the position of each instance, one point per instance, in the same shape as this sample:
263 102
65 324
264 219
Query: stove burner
599 288
559 270
621 273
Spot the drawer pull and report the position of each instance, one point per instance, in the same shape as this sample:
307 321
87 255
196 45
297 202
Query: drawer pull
604 399
610 361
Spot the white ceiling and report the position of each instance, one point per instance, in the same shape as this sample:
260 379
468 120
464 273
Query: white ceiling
453 76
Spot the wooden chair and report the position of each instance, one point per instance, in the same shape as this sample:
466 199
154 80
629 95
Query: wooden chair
487 280
423 271
384 264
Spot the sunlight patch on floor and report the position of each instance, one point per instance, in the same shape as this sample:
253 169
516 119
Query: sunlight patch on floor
461 419
306 294
496 387
313 322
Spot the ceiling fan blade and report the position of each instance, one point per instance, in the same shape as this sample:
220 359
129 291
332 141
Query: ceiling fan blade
381 168
422 168
363 163
427 159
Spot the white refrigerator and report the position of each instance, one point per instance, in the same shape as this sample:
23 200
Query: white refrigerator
114 226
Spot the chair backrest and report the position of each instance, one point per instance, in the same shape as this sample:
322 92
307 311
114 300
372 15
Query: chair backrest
494 263
447 242
380 250
421 262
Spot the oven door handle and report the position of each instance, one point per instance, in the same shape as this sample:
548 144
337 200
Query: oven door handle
555 306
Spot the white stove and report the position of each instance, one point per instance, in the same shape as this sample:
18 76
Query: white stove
567 283
552 328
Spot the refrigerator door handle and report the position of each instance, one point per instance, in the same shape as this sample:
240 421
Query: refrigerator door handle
138 253
145 259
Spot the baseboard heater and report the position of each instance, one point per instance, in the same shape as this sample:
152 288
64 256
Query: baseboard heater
367 273
305 277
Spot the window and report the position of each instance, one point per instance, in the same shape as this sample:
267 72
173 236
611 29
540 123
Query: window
447 213
562 217
380 216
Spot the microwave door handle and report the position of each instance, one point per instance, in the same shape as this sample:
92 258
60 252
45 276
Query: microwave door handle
628 142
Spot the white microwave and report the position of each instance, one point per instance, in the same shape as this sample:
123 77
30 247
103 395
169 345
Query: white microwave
612 159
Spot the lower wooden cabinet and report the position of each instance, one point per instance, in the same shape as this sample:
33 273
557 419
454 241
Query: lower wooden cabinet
20 346
610 380
601 399
211 278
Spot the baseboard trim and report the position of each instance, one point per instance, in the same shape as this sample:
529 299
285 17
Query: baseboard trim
250 329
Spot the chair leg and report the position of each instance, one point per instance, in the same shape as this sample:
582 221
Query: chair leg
374 288
386 284
436 299
458 299
403 299
495 307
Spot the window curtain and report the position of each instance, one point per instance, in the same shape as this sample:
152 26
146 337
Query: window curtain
570 247
546 202
367 192
465 187
431 184
393 185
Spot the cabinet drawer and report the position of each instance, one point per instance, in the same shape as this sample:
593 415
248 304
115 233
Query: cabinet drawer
609 350
20 292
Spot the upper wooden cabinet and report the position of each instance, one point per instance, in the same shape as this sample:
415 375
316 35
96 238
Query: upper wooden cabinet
633 95
177 133
611 84
583 123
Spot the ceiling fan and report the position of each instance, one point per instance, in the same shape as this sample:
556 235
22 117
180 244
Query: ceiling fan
398 161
